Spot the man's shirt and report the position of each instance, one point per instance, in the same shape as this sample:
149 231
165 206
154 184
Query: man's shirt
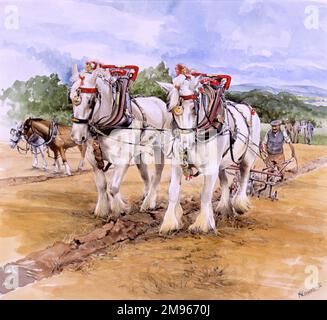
286 137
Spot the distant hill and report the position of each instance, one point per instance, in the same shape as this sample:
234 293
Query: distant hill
299 90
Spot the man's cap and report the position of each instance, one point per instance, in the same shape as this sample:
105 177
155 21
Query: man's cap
276 122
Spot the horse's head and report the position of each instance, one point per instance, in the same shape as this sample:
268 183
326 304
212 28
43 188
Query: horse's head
83 96
27 125
182 103
16 134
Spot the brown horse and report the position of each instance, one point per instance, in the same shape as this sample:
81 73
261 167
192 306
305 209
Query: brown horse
57 137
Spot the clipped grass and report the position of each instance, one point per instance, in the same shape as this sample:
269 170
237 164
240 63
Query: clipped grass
318 139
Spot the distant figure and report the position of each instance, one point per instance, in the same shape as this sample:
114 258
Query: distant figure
273 143
289 127
308 132
296 131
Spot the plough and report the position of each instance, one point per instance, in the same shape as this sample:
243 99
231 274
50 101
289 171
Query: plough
265 179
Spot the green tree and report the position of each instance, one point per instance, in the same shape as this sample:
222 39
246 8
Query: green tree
40 96
46 97
278 106
145 83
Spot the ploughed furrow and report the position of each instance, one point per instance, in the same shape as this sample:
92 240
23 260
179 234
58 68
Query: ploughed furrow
60 256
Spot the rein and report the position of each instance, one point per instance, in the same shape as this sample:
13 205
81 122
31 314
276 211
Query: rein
19 149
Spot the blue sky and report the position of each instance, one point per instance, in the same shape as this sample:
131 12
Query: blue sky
256 41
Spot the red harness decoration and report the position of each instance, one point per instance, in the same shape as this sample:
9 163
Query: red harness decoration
121 70
189 97
82 79
213 79
88 90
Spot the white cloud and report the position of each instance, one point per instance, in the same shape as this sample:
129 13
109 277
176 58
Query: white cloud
228 35
248 5
256 65
304 63
260 41
17 66
71 16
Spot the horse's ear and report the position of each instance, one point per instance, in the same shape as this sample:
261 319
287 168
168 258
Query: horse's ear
74 70
194 83
165 86
75 73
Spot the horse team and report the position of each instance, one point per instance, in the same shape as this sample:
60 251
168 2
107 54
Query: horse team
198 130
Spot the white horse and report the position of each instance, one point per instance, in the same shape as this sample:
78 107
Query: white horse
93 105
35 141
210 156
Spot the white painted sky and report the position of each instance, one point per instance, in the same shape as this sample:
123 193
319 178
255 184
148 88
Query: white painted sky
265 42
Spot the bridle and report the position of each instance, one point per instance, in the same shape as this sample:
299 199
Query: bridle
198 124
182 98
94 92
17 133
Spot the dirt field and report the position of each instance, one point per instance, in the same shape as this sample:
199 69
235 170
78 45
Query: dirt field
264 257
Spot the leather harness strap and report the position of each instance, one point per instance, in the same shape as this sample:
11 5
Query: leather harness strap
98 156
215 114
189 97
121 108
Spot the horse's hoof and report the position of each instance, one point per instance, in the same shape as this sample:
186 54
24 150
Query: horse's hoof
167 228
148 207
195 228
241 206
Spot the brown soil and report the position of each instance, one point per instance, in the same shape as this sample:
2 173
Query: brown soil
263 255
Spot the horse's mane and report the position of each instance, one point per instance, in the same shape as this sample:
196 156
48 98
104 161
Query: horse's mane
45 121
210 92
173 98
